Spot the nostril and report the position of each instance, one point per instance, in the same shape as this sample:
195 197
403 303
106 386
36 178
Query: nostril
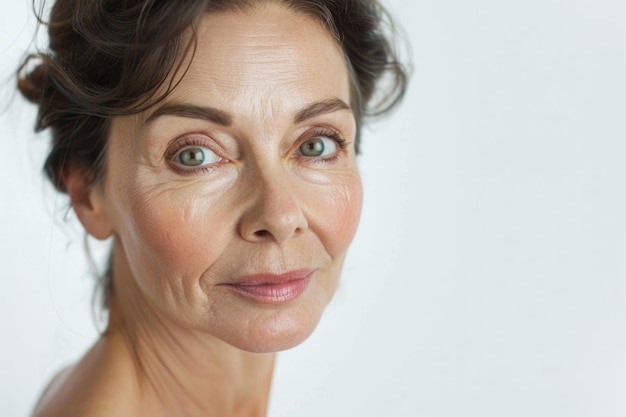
262 233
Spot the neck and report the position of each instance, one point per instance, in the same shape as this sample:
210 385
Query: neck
181 371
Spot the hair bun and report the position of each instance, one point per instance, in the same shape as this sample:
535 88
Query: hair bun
33 83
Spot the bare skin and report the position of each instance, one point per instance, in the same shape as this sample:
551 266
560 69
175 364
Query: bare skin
164 372
183 339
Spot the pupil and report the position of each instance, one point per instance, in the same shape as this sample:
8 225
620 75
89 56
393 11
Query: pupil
313 147
192 157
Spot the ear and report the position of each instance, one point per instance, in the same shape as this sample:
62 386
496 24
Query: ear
88 202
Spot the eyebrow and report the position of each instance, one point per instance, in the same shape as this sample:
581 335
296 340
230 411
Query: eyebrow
191 111
222 118
319 108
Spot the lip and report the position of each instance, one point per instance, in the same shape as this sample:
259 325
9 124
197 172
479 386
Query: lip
272 288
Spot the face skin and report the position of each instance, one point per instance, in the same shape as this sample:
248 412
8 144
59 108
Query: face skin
257 204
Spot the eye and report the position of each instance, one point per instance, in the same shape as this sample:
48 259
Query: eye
194 156
318 146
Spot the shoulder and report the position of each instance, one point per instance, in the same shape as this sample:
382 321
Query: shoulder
91 388
49 392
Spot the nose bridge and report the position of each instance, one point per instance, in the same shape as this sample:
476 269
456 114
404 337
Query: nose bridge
274 211
274 190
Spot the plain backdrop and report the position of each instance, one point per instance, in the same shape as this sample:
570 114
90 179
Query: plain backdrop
488 274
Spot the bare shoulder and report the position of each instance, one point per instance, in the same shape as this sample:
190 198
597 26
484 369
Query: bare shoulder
93 387
50 390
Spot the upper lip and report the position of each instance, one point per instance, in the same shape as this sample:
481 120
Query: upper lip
266 278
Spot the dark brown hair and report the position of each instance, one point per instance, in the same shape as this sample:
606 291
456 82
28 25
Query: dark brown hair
110 58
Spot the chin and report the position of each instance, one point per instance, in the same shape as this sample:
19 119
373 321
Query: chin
273 331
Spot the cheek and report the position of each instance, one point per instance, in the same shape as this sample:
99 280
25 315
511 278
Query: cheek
335 213
174 234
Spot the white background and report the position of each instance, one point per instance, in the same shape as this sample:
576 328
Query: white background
488 275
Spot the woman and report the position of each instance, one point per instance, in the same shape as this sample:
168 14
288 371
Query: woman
215 142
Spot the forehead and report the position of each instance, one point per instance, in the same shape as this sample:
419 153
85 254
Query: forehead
268 56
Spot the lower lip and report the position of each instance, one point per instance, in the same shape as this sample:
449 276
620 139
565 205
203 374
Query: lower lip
272 293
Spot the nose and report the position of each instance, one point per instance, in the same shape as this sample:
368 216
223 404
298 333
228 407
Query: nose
274 212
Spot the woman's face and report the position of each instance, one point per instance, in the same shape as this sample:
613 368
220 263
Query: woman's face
235 199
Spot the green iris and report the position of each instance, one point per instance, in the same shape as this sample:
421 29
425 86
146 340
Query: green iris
191 157
312 147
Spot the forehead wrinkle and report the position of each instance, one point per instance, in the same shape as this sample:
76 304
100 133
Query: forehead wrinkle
261 37
258 28
249 72
271 58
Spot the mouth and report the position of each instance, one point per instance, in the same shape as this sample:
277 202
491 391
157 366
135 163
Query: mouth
272 288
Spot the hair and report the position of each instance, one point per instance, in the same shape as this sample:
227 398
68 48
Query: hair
110 58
